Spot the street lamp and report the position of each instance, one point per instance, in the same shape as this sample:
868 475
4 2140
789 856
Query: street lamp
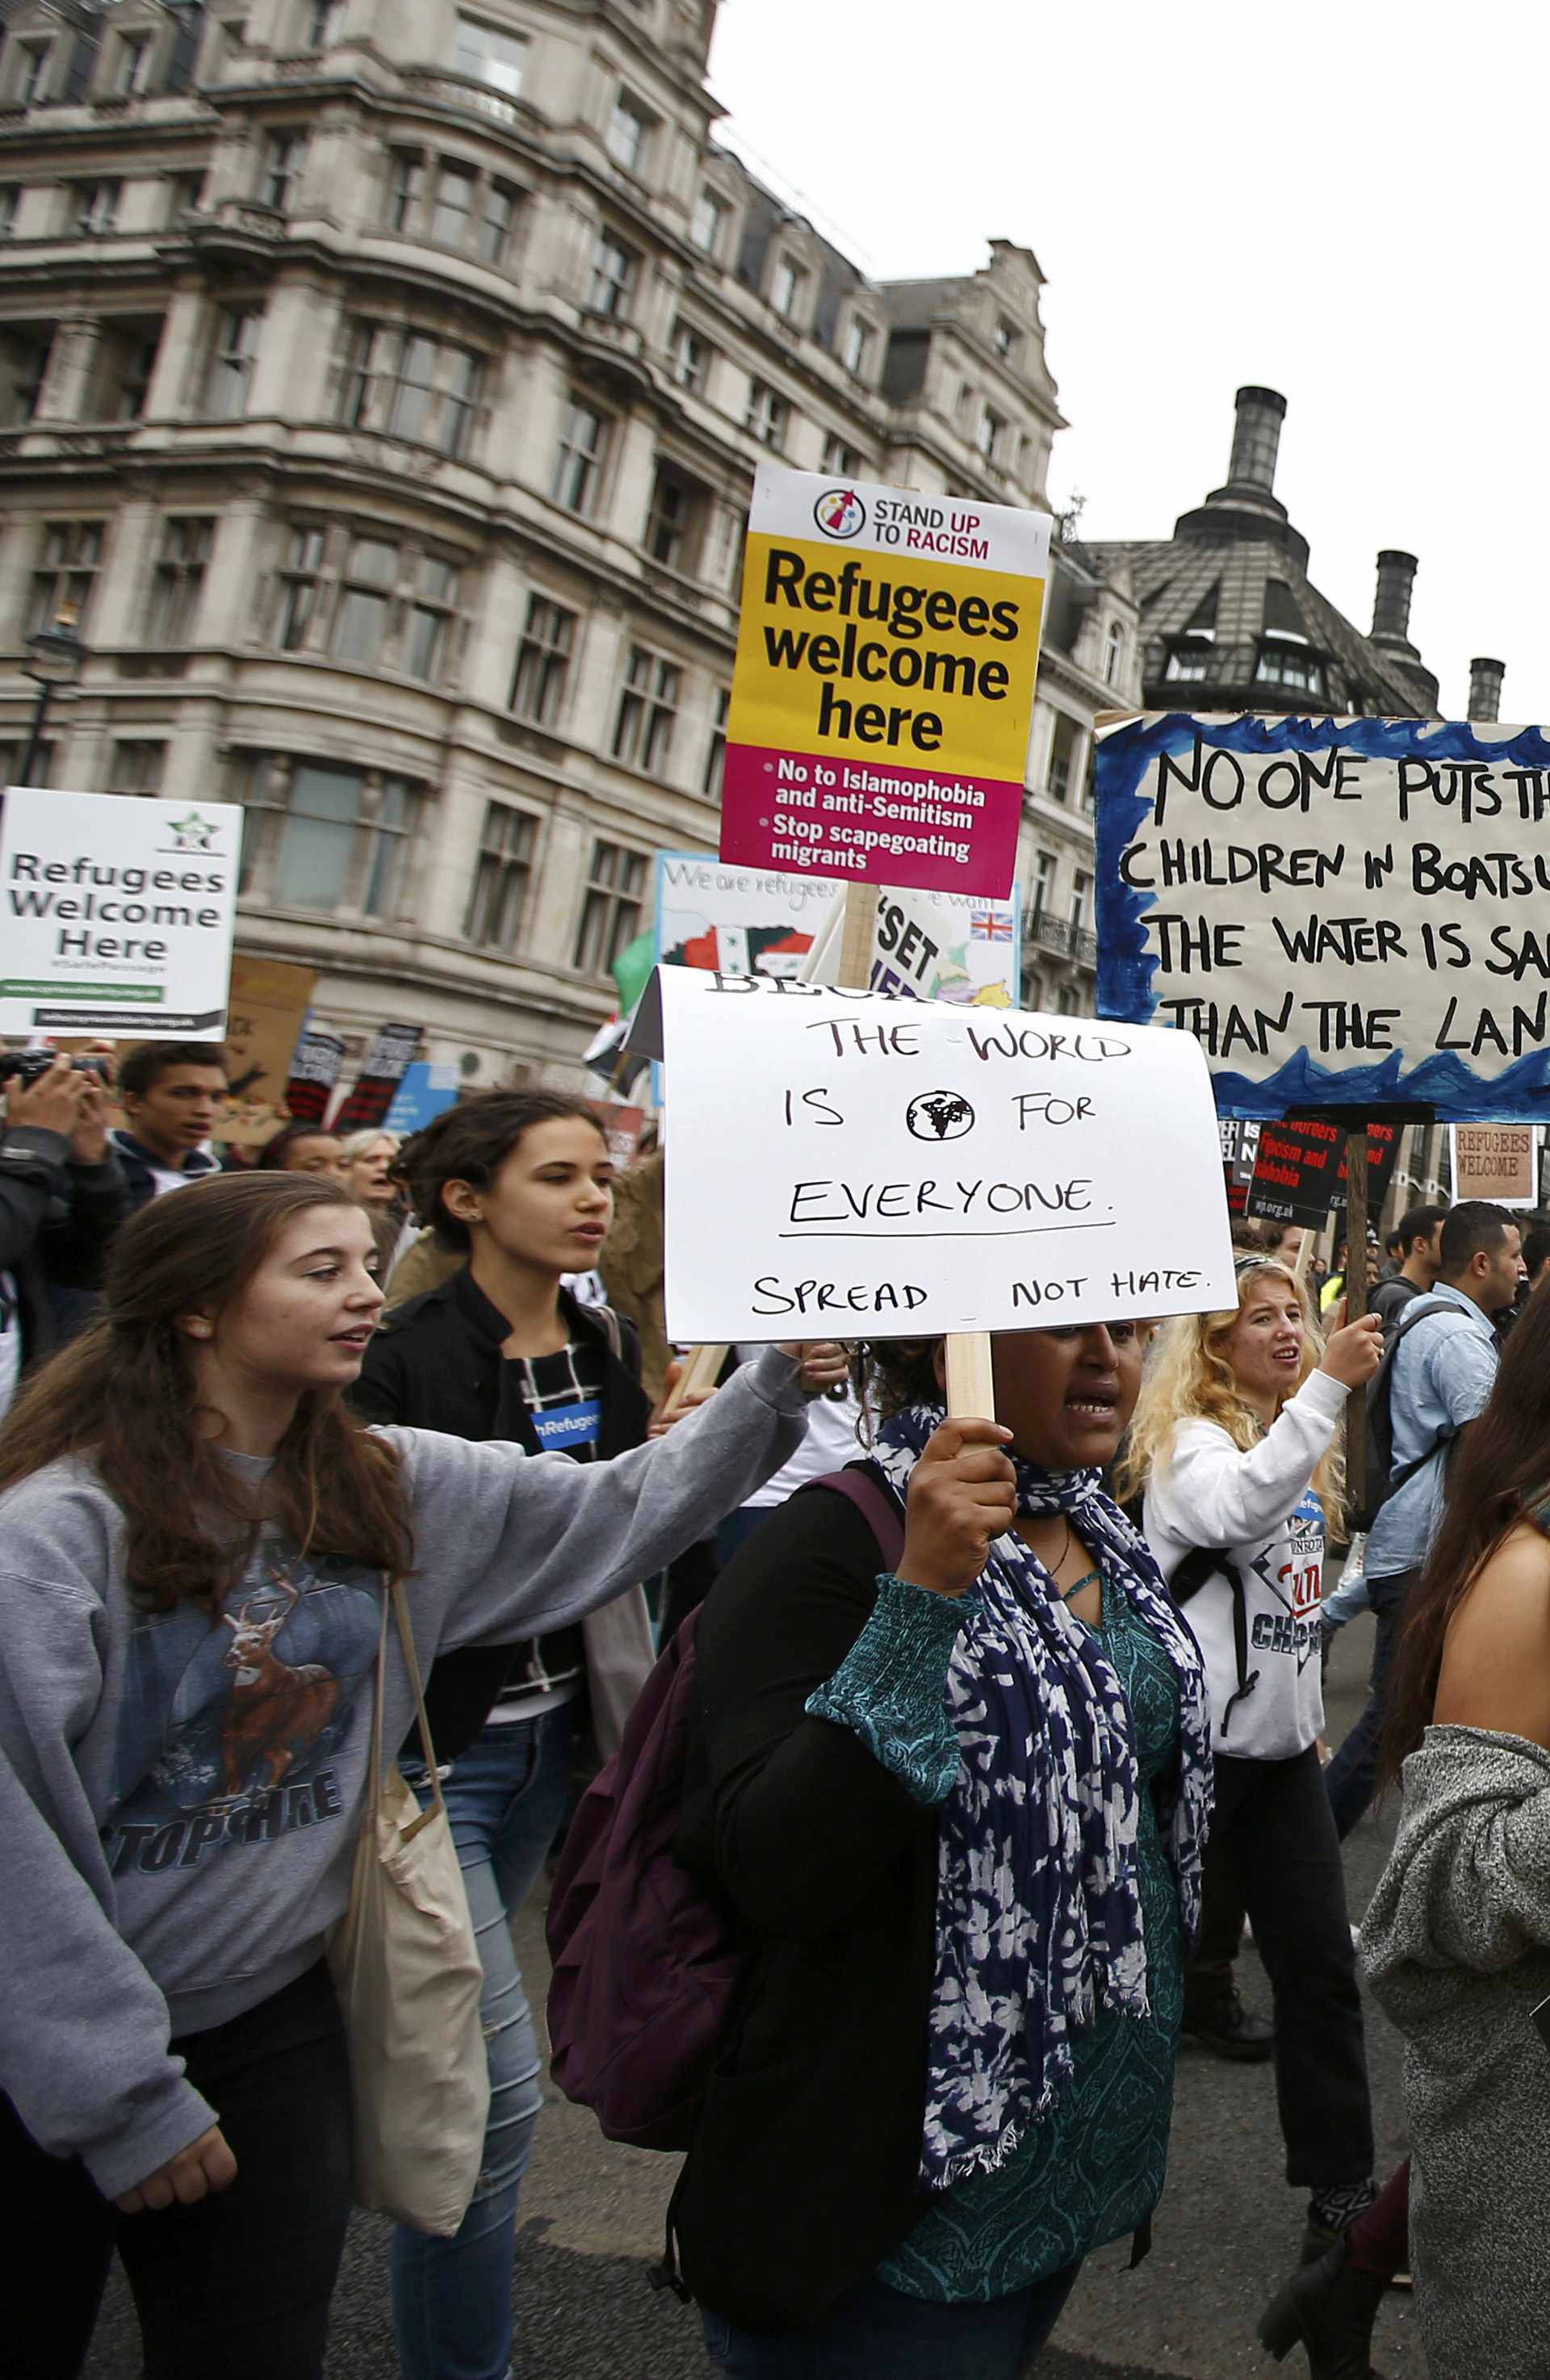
54 657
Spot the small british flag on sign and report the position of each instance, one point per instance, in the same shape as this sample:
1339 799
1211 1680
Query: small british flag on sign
985 926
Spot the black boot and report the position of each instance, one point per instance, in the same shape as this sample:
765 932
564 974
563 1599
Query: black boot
1221 2023
1330 2309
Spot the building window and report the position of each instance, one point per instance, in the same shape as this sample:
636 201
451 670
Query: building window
691 359
137 766
1044 884
1081 893
613 272
1066 1002
231 364
496 219
611 911
23 369
648 711
66 575
32 72
629 129
10 203
12 755
282 164
840 461
185 197
1298 672
708 222
579 464
299 587
790 284
131 360
502 876
96 208
131 64
673 523
1113 654
406 385
361 624
328 838
716 750
1005 339
858 346
178 581
324 21
1189 664
430 616
543 662
768 415
1062 756
990 435
454 204
486 55
403 190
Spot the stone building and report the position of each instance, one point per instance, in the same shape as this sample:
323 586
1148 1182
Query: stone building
381 383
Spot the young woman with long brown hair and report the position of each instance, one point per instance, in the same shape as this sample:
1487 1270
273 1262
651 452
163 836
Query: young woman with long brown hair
194 1539
1457 1937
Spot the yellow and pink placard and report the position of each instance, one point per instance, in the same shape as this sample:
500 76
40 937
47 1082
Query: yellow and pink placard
884 685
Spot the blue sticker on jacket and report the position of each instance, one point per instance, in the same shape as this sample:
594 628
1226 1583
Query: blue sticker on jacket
564 1427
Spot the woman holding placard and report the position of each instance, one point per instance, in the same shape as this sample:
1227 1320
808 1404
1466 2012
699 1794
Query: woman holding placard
959 1811
1235 1442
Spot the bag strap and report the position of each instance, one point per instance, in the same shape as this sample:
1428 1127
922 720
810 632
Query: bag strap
1203 1563
397 1602
878 1503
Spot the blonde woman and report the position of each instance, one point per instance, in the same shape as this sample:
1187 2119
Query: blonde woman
1235 1443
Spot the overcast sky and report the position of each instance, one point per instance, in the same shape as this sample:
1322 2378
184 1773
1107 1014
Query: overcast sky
1347 203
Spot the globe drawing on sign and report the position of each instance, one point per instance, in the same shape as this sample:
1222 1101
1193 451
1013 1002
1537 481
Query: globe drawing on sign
939 1115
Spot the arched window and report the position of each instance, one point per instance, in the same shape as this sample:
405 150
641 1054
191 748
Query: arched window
1113 652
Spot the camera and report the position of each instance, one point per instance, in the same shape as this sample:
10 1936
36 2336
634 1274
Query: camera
25 1066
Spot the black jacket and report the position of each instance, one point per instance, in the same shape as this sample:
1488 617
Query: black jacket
57 1219
804 2173
435 1364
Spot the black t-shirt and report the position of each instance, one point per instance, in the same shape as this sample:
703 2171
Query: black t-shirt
563 1395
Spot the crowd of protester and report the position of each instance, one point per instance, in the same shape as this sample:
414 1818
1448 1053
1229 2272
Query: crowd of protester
1000 1732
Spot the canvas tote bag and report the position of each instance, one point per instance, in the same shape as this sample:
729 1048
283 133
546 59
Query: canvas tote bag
406 1971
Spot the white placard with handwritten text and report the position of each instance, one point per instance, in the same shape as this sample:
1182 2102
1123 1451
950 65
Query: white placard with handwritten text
841 1164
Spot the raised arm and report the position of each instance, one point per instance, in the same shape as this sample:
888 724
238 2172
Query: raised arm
1212 1494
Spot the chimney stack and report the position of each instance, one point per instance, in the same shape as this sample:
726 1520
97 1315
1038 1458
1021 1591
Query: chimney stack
1485 689
1391 609
1256 437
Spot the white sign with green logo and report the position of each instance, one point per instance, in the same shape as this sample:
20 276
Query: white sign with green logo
118 914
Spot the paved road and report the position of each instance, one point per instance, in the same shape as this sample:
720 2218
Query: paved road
1226 2232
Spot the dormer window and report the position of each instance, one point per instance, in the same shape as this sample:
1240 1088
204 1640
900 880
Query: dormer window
1006 340
786 294
858 346
1189 664
32 73
629 130
1285 660
708 222
131 64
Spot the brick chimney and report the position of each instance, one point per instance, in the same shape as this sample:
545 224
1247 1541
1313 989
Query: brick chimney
1391 607
1485 689
1257 438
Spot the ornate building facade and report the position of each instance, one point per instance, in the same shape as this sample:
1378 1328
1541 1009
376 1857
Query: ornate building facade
380 384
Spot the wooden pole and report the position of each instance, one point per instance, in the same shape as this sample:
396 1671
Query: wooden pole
970 1393
1356 1302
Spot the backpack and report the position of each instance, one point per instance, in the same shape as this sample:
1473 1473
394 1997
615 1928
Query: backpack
1380 1481
1195 1567
645 1961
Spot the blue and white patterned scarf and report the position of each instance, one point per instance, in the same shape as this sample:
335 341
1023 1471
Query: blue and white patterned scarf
1038 1905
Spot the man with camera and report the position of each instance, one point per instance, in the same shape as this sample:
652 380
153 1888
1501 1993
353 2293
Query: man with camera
63 1194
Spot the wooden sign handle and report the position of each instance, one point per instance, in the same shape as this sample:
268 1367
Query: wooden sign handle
698 1375
970 1393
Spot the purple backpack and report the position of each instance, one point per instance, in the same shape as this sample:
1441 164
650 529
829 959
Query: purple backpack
645 1964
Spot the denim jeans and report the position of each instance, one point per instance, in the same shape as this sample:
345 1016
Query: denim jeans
505 1797
881 2334
237 2285
1351 1776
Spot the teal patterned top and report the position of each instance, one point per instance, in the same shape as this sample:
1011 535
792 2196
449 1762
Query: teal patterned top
1094 2171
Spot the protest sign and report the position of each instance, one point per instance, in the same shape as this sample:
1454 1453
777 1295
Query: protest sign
118 914
907 1167
1240 1148
1301 1170
1347 913
884 683
314 1072
953 947
386 1063
268 1000
621 1128
1500 1162
428 1086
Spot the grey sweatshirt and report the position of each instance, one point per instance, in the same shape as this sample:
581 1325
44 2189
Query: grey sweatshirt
180 1792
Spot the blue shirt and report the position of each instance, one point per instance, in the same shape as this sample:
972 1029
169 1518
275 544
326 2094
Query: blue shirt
1443 1374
